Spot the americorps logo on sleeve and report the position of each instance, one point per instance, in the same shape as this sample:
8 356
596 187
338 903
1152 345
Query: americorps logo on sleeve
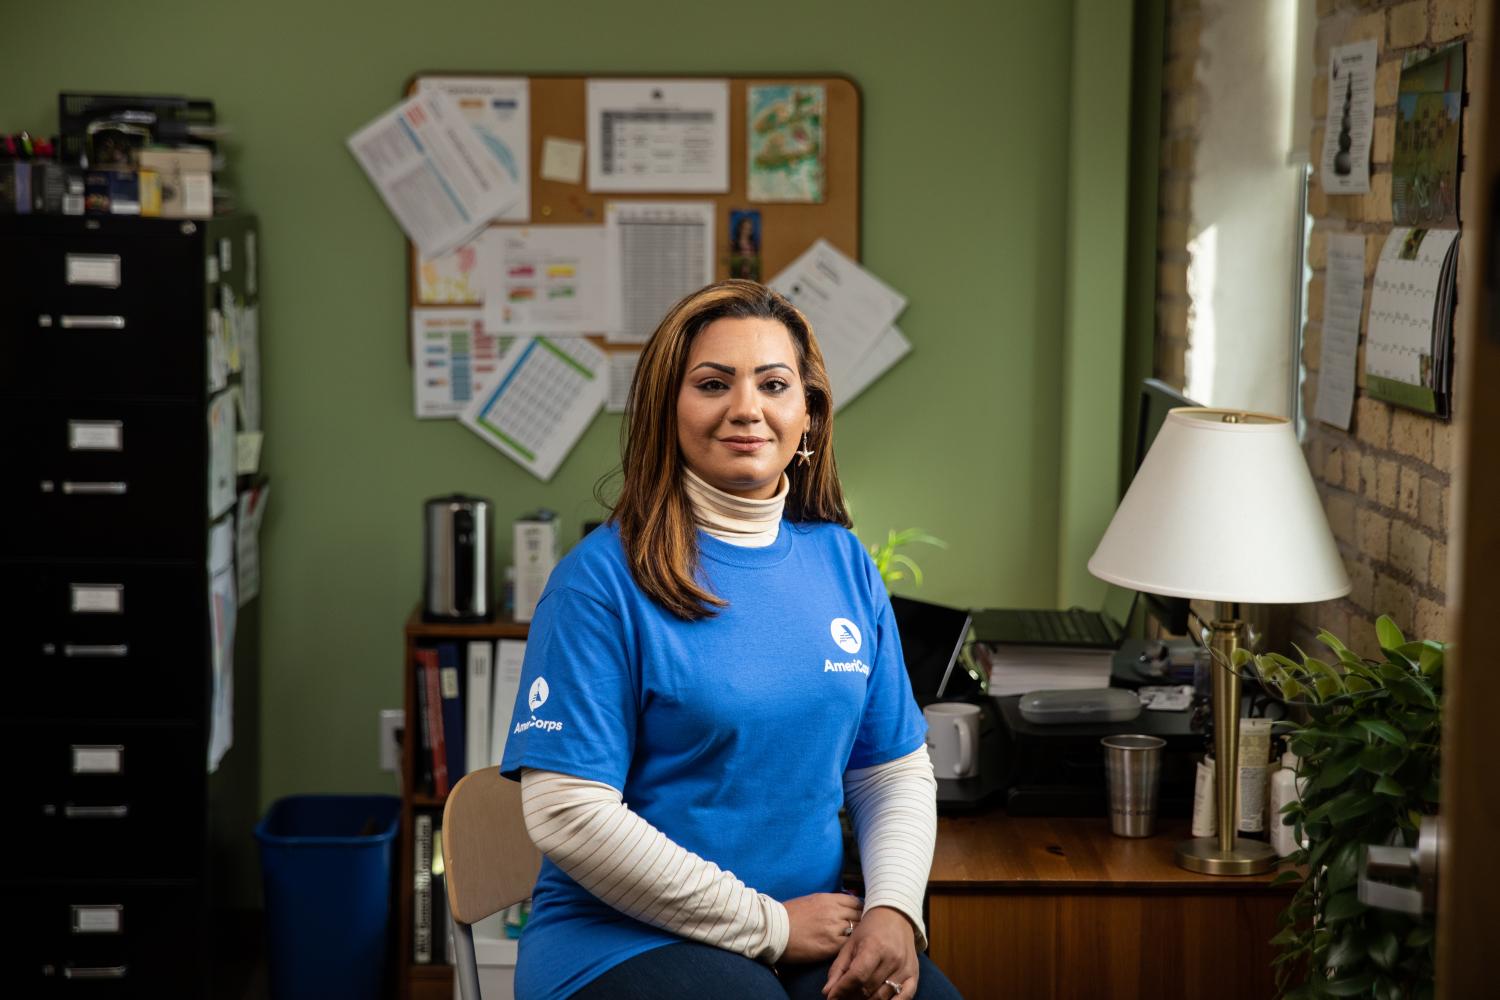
535 699
846 634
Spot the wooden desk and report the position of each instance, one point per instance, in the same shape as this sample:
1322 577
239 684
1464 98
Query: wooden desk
1025 908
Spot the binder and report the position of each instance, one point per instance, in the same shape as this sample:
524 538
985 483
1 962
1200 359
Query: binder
422 752
450 686
510 655
477 704
421 896
434 716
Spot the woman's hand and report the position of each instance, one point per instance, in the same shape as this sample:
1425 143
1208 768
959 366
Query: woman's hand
882 950
818 926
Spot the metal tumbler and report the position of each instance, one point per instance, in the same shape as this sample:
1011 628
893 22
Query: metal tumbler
1132 766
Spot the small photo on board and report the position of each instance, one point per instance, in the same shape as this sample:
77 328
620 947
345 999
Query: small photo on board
744 244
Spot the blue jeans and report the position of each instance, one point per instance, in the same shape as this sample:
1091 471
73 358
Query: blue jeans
690 970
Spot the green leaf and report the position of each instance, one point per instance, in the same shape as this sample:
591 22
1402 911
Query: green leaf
1332 773
1431 659
1332 641
1387 990
1286 936
1386 785
1342 906
1419 936
1282 878
1355 986
1384 950
1344 868
1347 950
1383 730
1388 634
1381 758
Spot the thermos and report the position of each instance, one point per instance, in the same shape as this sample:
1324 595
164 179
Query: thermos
456 534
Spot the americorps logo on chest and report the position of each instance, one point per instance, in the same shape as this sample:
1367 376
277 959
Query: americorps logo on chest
846 634
535 699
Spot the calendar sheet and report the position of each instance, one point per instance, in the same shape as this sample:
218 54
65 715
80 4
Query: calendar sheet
547 393
659 251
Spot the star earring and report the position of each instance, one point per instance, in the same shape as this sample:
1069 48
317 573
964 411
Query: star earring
805 454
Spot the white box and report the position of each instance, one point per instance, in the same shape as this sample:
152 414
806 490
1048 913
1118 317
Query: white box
495 954
534 555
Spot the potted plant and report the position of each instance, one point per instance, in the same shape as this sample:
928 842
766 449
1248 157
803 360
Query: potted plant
895 565
1369 757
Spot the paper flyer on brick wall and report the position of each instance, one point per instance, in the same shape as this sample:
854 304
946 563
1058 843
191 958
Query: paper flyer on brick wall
1344 167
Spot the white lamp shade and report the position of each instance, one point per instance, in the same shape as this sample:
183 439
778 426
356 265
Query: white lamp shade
1223 512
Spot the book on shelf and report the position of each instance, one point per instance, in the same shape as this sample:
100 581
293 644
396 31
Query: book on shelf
1018 669
450 689
477 702
421 896
422 751
509 656
438 750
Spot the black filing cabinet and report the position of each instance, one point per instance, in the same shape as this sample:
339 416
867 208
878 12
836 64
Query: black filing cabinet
122 342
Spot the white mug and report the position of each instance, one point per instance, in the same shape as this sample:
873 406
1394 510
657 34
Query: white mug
953 738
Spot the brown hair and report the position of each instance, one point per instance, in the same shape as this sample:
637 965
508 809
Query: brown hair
655 516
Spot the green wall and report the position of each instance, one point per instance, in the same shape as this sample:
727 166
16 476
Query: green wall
966 166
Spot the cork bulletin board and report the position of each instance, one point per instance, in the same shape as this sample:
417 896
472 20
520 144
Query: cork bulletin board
557 110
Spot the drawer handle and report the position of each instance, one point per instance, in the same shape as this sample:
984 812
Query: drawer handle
94 972
116 488
93 322
113 650
96 812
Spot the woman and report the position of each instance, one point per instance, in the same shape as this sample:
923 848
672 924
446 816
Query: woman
708 678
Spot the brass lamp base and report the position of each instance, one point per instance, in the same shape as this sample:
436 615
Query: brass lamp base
1245 857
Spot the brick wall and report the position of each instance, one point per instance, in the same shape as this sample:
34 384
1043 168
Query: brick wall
1179 141
1386 483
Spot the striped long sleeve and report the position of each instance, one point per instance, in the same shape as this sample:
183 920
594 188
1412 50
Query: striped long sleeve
588 831
893 807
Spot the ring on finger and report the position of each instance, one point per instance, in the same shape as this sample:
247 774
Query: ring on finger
894 986
849 930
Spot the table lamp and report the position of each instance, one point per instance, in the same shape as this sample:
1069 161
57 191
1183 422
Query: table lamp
1223 509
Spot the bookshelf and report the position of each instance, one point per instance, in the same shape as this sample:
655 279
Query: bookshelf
435 981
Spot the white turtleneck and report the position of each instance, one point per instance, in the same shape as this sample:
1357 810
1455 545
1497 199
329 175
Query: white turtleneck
588 831
736 520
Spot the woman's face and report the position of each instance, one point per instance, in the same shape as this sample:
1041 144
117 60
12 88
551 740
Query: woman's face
741 409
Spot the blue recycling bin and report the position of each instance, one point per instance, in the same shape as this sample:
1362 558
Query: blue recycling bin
326 865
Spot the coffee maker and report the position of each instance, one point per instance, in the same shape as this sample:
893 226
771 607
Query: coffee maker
456 535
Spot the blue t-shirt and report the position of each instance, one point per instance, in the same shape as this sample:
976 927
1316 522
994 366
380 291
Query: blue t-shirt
730 734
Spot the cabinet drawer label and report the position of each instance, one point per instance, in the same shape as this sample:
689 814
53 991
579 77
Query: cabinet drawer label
98 759
98 598
96 435
98 919
101 269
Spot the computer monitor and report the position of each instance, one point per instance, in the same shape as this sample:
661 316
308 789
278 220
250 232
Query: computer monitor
1156 399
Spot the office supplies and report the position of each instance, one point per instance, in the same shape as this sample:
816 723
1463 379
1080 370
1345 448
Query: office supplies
1409 342
657 252
849 307
510 656
450 689
1132 771
422 889
786 142
1343 304
1345 164
658 135
562 160
456 542
545 279
499 110
439 181
1180 532
479 655
1053 708
1022 669
953 738
454 358
535 552
545 395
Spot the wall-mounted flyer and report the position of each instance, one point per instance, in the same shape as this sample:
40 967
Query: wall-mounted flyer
1344 167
